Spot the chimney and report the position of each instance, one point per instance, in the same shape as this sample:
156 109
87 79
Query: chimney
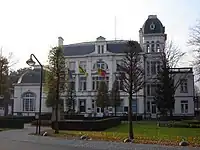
60 41
152 16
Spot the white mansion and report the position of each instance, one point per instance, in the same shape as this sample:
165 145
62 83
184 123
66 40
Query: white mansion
106 55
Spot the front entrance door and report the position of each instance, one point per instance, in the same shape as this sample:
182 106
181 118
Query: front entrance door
153 110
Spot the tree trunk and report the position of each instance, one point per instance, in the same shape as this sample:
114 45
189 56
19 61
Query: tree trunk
115 110
171 114
53 116
130 117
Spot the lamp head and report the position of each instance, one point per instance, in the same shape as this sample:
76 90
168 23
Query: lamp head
30 62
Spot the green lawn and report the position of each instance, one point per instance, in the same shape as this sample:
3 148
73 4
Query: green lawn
144 132
150 129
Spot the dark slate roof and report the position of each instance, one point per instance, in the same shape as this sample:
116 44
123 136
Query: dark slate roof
159 28
31 76
87 48
79 49
116 47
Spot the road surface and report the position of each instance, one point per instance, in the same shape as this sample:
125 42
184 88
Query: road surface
19 139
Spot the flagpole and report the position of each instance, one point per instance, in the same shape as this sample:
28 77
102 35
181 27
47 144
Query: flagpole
115 28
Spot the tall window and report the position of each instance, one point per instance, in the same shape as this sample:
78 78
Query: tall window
73 83
148 68
153 67
148 106
184 107
100 49
183 86
96 81
120 83
83 64
152 47
82 84
82 105
151 89
157 46
29 101
72 66
147 47
100 65
118 64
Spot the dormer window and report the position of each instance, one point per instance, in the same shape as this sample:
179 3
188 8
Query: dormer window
100 45
100 49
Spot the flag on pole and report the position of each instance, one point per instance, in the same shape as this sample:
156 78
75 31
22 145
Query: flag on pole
81 70
102 72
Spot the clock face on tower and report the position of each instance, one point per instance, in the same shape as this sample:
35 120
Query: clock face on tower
152 26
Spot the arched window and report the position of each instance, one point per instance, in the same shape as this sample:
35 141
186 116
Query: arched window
147 47
100 65
29 101
157 46
152 47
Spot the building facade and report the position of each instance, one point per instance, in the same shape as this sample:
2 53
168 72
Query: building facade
104 54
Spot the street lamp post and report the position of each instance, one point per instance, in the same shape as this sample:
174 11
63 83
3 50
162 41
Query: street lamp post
30 62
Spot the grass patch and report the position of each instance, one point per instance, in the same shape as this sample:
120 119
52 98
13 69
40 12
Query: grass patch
144 132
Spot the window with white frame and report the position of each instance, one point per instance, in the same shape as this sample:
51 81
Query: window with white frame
72 66
83 64
96 81
152 46
184 106
153 67
148 68
72 82
100 65
118 64
151 89
82 83
148 106
120 82
100 49
183 86
29 101
147 47
157 46
93 104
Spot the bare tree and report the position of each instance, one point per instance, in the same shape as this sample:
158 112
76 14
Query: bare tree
194 42
132 74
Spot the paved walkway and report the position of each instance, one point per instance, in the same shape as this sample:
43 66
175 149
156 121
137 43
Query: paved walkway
15 139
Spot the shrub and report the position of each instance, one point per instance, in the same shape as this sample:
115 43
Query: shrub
43 123
12 123
178 125
26 119
192 121
88 125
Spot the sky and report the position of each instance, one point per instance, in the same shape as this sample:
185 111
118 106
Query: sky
33 26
